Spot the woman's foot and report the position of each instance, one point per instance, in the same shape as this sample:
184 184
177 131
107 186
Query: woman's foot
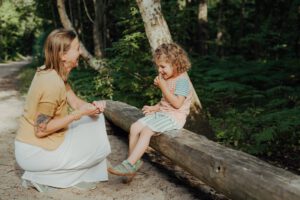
123 169
37 186
86 186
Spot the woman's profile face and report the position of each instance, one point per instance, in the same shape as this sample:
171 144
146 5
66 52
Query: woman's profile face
71 57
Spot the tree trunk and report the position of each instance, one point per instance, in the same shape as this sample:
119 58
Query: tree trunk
234 173
202 27
97 64
99 28
298 40
156 27
220 32
158 33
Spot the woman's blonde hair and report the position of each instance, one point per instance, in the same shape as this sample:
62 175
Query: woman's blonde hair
174 54
58 42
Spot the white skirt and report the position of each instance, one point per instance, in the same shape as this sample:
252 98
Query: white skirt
81 156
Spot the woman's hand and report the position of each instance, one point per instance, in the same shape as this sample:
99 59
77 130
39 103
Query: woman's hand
101 105
88 109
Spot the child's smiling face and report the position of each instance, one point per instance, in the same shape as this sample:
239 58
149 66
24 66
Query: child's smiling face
165 69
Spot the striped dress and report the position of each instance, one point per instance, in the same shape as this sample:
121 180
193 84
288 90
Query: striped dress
170 118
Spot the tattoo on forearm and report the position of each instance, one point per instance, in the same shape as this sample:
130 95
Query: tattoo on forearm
41 122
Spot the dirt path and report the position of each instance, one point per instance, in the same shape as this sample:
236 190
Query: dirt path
149 184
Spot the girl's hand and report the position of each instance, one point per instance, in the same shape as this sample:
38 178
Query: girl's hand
160 82
101 105
149 109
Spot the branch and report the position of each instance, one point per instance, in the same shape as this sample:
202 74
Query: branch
97 64
87 12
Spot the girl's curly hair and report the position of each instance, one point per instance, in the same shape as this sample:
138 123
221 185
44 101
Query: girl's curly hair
174 54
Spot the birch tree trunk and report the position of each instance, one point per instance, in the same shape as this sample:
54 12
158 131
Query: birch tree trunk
158 32
220 30
156 27
97 64
202 27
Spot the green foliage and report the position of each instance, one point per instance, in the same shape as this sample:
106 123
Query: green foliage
90 85
181 17
18 27
253 106
130 60
253 29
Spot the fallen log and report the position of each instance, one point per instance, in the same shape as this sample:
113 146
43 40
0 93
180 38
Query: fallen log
236 174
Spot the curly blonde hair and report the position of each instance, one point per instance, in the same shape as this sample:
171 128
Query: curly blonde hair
174 54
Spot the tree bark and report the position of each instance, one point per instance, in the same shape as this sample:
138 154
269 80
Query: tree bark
156 27
220 32
157 32
97 64
202 27
99 28
298 38
236 174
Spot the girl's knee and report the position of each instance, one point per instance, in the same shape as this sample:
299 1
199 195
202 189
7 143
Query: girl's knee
135 128
134 133
135 125
147 132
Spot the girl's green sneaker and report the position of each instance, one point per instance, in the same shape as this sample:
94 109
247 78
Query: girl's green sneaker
138 166
123 169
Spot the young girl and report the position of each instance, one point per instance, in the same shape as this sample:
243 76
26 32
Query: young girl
169 114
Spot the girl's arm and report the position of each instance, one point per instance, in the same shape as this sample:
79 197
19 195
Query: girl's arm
175 100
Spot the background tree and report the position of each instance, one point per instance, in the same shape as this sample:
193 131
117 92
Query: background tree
97 64
99 28
202 28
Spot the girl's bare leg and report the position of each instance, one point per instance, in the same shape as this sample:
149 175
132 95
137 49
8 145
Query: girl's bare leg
135 130
141 145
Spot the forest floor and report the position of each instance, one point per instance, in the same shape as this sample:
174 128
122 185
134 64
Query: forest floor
150 183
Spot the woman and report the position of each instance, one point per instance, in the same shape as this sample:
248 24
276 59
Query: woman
56 148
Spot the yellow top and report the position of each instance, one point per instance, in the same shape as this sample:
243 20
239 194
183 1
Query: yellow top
47 95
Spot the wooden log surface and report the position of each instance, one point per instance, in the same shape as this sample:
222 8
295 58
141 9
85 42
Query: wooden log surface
236 174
